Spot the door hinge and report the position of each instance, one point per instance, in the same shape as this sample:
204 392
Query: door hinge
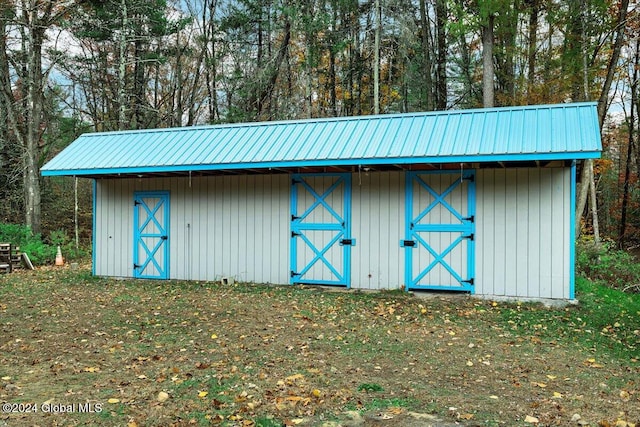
470 281
295 181
469 236
164 237
348 242
294 274
294 234
470 178
135 266
293 217
408 243
471 218
136 203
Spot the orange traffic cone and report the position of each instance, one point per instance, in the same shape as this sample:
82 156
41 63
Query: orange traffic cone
59 259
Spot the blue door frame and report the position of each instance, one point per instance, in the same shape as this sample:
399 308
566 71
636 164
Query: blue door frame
456 230
151 235
321 244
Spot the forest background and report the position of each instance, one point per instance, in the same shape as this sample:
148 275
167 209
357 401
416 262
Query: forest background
74 66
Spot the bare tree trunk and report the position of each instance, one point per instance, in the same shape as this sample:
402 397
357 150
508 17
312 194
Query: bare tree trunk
583 192
210 58
602 106
594 205
376 58
533 42
122 68
488 71
35 100
426 52
630 145
621 24
441 69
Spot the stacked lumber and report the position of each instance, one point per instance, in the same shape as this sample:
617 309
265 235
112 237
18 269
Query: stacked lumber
10 257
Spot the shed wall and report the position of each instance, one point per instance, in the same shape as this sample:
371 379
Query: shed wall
378 227
523 232
220 226
240 226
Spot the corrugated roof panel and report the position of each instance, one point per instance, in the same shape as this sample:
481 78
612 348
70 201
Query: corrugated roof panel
404 129
195 154
267 149
325 132
332 136
463 132
359 147
422 133
476 133
517 144
564 131
390 134
231 151
450 134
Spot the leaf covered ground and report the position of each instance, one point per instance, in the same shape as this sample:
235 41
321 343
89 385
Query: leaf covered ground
149 353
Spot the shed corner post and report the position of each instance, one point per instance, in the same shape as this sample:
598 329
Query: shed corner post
94 190
572 234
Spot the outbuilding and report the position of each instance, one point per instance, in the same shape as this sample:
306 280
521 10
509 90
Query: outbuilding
479 201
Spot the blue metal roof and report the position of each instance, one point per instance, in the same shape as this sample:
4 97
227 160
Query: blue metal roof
529 133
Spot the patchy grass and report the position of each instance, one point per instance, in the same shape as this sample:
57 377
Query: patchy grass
254 355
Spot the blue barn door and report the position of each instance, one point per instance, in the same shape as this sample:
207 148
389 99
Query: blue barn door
440 227
151 235
321 229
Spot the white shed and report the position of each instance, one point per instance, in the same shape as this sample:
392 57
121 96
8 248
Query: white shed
478 201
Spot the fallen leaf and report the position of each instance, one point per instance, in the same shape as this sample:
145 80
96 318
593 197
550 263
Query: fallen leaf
202 394
294 377
163 396
113 400
214 336
531 420
91 369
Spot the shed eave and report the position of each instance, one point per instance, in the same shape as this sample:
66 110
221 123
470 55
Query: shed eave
267 166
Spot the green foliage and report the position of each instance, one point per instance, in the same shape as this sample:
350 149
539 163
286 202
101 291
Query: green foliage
370 387
32 244
617 268
40 251
606 320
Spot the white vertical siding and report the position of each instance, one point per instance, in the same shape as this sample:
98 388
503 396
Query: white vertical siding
220 226
378 226
239 226
523 235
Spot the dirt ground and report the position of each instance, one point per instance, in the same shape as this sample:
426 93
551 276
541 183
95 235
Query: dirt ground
79 350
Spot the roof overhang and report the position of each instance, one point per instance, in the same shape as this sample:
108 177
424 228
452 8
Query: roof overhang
503 137
324 166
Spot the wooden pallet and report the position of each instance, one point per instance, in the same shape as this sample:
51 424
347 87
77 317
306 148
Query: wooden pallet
10 257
